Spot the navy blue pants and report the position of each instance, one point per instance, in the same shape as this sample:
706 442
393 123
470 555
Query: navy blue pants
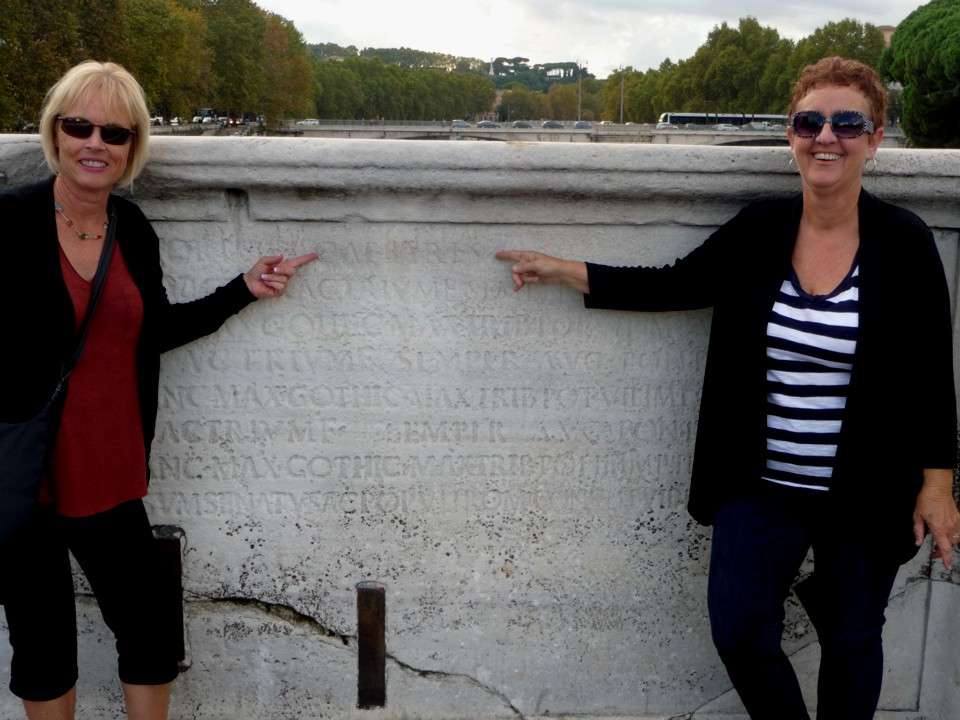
117 553
759 544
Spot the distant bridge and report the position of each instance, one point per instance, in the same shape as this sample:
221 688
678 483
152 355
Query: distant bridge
596 134
638 134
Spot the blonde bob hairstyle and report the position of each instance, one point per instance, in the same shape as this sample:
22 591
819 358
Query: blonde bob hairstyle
121 94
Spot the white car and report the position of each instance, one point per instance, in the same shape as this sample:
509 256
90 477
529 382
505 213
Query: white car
726 126
308 121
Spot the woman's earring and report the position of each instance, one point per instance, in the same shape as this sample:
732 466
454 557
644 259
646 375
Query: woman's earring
793 163
867 168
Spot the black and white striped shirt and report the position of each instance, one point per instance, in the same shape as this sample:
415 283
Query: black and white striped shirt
810 344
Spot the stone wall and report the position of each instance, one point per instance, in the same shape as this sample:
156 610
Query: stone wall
512 467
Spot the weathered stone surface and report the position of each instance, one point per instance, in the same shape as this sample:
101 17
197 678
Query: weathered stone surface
511 466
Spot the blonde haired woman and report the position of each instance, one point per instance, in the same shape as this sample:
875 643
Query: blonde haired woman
95 128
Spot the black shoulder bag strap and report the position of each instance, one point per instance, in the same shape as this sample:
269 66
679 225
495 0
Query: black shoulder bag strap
26 446
103 266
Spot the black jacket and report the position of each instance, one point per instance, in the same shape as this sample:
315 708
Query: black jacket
901 413
37 320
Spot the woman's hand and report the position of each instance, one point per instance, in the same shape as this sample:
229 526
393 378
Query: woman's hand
937 511
269 276
533 267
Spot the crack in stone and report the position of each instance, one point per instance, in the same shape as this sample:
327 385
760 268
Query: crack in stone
295 617
282 612
430 674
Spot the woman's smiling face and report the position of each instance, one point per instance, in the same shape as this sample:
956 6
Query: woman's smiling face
89 164
827 163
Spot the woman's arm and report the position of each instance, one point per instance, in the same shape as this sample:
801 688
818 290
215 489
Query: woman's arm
533 267
268 278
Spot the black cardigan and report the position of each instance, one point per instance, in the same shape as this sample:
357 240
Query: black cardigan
37 321
901 414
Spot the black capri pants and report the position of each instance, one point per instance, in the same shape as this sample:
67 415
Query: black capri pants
118 554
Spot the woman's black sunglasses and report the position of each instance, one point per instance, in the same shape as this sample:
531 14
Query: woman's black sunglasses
846 124
82 128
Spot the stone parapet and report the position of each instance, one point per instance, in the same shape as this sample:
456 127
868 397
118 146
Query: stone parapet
512 467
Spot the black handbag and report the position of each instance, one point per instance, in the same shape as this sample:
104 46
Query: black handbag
26 447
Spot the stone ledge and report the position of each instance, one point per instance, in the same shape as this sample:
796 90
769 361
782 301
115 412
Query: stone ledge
512 467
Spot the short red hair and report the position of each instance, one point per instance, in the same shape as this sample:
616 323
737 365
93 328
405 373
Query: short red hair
843 72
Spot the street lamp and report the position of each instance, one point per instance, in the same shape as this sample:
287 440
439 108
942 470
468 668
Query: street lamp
579 89
622 74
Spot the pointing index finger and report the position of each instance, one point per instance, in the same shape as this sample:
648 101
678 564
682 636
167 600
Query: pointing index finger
302 259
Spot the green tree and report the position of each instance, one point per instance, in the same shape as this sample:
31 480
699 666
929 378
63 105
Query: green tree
162 45
480 91
189 66
562 101
924 56
675 88
338 91
419 59
41 42
518 102
847 38
639 97
100 31
776 82
324 51
591 98
235 35
361 88
615 88
287 88
10 24
725 73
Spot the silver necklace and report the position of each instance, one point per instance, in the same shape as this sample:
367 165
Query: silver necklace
69 223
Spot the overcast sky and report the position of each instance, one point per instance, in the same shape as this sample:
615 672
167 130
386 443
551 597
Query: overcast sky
602 34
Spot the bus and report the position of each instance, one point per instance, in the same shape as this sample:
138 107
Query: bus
703 119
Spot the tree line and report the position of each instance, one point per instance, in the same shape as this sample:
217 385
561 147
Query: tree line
229 55
233 56
748 68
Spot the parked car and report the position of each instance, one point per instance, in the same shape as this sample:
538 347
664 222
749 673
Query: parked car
197 119
487 124
522 124
552 125
666 126
308 121
460 124
156 120
175 121
582 125
607 122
